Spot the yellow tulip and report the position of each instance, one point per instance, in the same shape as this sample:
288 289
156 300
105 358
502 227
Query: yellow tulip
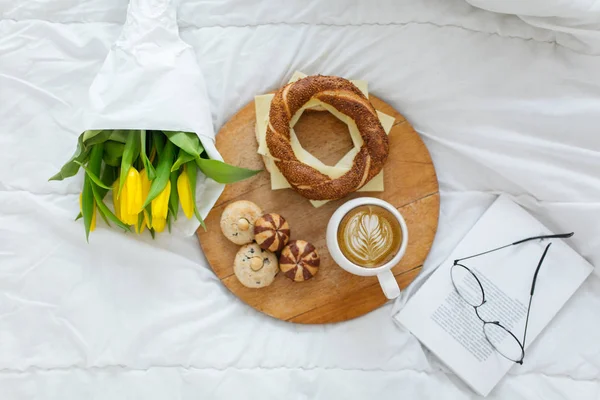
93 224
160 208
158 224
131 199
185 194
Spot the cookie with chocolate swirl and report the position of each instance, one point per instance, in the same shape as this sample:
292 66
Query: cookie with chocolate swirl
299 261
271 232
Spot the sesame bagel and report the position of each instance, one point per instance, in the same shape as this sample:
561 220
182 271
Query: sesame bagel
347 99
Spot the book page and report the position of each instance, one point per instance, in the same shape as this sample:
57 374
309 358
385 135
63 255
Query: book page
458 319
449 327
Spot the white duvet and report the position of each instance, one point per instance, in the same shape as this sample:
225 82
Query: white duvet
504 107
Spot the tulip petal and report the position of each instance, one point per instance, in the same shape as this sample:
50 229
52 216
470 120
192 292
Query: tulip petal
185 194
103 209
130 153
163 170
133 189
158 224
160 205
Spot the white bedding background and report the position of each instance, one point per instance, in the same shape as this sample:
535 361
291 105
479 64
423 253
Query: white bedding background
503 106
576 22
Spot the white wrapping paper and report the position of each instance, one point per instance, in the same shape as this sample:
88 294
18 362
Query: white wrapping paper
151 80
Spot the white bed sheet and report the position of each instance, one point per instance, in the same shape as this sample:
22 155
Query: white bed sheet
501 106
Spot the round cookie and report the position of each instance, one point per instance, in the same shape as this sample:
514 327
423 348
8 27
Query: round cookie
299 260
271 232
237 221
254 267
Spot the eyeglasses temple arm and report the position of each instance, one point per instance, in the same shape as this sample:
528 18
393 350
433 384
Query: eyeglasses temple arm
535 275
557 236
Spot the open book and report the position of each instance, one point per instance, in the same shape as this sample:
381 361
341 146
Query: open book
449 327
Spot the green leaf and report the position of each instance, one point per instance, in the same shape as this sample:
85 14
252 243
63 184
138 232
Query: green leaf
109 160
163 171
79 216
192 174
87 196
182 158
199 218
152 234
106 211
95 163
97 137
148 209
109 176
222 172
94 178
147 164
120 135
169 221
130 153
174 197
71 167
103 216
87 135
140 221
158 139
113 151
186 141
87 205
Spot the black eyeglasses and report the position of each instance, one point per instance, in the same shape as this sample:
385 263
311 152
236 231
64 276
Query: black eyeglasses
470 289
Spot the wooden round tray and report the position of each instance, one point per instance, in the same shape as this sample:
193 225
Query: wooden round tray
333 295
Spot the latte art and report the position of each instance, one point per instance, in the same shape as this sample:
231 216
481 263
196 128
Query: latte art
369 236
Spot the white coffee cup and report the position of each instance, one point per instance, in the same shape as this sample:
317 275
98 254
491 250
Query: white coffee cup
384 275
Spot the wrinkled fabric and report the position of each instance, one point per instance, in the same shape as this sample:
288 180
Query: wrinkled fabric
576 22
502 106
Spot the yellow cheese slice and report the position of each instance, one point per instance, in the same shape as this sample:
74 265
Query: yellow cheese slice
296 76
262 104
278 181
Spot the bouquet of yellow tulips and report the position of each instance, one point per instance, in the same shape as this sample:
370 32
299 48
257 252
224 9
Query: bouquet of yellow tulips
150 174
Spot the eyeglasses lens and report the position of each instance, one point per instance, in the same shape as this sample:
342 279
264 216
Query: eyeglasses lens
467 285
504 343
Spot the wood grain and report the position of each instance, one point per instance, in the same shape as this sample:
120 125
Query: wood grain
333 295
